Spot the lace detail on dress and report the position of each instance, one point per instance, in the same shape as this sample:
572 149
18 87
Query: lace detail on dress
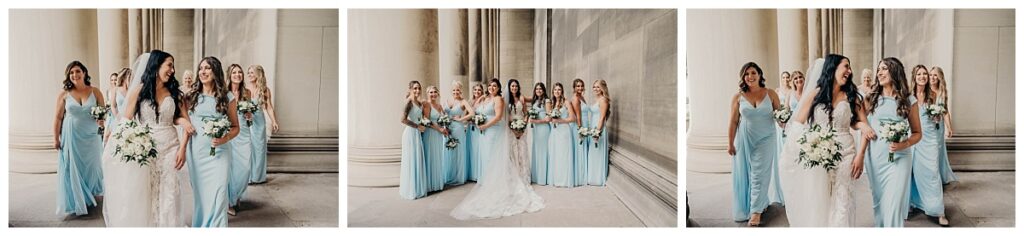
841 203
165 181
518 147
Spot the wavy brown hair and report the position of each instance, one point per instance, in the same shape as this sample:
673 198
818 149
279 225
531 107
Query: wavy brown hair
243 91
219 90
898 76
927 84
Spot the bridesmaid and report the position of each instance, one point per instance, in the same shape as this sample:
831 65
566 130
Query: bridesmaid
188 79
209 174
262 96
597 167
937 79
412 182
492 106
866 82
925 182
79 176
117 92
476 158
433 142
580 142
890 181
785 93
752 143
241 150
456 159
541 131
560 152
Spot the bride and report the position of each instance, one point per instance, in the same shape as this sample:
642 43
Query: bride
156 194
503 189
824 198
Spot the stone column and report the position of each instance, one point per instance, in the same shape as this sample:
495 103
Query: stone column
179 39
387 49
713 72
111 26
452 52
516 55
792 28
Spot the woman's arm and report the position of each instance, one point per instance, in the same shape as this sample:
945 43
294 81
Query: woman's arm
948 119
805 107
603 103
183 140
915 130
58 120
862 123
133 97
100 101
405 115
734 122
498 113
575 107
270 112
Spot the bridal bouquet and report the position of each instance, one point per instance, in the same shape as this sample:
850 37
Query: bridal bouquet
894 131
517 124
444 121
216 127
935 111
247 107
783 114
534 113
451 143
554 115
100 113
478 120
134 143
818 147
423 121
584 132
594 132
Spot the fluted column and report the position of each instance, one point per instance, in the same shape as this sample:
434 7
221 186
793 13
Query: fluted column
452 51
387 49
111 26
792 28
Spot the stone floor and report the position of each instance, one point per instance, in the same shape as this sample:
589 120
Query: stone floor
286 200
564 207
979 199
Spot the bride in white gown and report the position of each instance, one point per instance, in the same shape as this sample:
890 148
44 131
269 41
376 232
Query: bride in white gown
502 190
814 197
156 194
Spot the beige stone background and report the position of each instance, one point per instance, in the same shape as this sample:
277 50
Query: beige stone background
298 49
634 50
974 47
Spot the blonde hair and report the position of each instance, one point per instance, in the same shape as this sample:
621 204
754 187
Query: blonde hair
262 92
786 83
608 97
943 94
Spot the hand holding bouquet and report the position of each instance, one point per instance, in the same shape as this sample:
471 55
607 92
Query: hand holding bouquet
216 127
100 113
247 107
818 147
894 131
134 143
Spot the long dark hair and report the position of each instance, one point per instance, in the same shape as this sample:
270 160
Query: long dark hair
899 84
513 97
543 94
219 90
149 80
743 72
825 83
68 85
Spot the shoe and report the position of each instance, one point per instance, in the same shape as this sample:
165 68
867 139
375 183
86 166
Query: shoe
943 221
231 211
755 220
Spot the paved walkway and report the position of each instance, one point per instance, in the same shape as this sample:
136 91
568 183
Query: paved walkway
286 200
564 207
979 199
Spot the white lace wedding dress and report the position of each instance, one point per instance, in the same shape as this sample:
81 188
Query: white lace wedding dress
156 194
820 198
504 189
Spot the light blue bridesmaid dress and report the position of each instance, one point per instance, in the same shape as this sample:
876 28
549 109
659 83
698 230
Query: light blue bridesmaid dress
208 174
79 175
413 177
561 171
539 162
890 181
258 135
455 159
433 151
119 99
489 139
755 153
580 151
241 161
945 170
476 156
597 156
925 180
